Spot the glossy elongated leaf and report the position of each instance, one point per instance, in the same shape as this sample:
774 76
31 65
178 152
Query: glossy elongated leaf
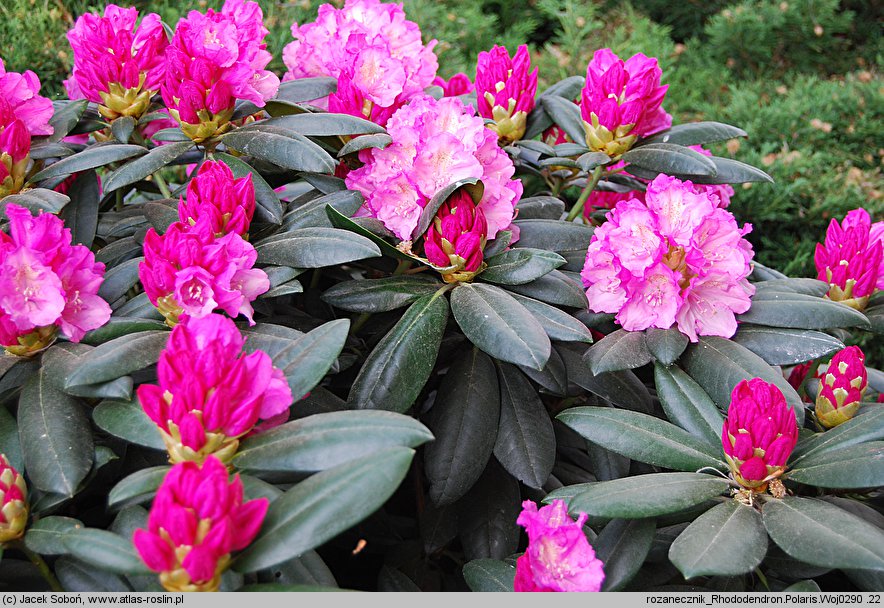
805 586
140 486
395 372
800 311
642 437
322 441
557 324
65 117
127 420
495 322
105 550
306 89
312 214
687 404
591 160
486 516
82 216
727 540
464 420
868 425
117 358
340 221
526 443
95 156
666 345
779 346
541 208
500 243
291 151
822 534
553 288
122 128
470 185
363 142
320 124
146 165
730 171
810 287
623 546
75 575
121 326
618 351
718 365
694 133
10 446
323 506
120 279
37 200
380 295
552 377
622 388
670 159
520 266
55 436
565 238
856 466
315 248
489 575
46 535
566 114
643 496
268 207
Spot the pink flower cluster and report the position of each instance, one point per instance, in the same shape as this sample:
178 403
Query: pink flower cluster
505 89
197 520
851 260
46 283
558 558
435 144
675 258
116 65
843 386
13 502
213 60
621 101
209 394
226 203
370 47
759 433
22 94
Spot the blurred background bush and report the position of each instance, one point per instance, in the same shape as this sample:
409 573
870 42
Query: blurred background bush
800 76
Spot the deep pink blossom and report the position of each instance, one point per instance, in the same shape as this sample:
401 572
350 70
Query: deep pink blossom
197 520
213 60
456 238
13 502
216 197
844 383
116 65
621 101
369 42
350 99
759 433
851 260
459 84
22 93
558 558
505 89
435 143
187 271
674 258
210 394
15 147
46 283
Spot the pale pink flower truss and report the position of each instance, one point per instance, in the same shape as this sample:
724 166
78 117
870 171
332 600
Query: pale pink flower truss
21 92
675 258
435 143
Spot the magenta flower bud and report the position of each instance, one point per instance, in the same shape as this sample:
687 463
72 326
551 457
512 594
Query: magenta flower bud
759 434
13 502
843 386
456 238
215 196
197 520
15 147
116 65
558 557
505 90
350 99
20 92
459 84
210 394
851 260
621 101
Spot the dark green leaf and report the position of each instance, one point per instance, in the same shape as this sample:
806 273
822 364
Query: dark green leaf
471 185
391 579
557 324
618 351
591 160
315 248
778 346
856 466
520 266
552 377
554 288
622 388
489 575
694 133
49 150
464 419
268 208
805 586
500 326
127 420
10 446
75 575
46 535
622 546
81 216
729 171
148 164
486 516
810 287
121 326
397 369
363 142
319 124
666 345
823 535
647 495
322 441
868 425
727 540
799 311
291 151
306 89
687 404
92 157
122 128
565 238
340 221
323 506
55 436
36 200
312 214
105 550
120 279
138 487
66 116
670 159
642 437
566 114
540 208
118 357
380 295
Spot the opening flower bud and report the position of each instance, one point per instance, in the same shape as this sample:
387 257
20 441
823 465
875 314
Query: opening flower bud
456 238
842 389
13 502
